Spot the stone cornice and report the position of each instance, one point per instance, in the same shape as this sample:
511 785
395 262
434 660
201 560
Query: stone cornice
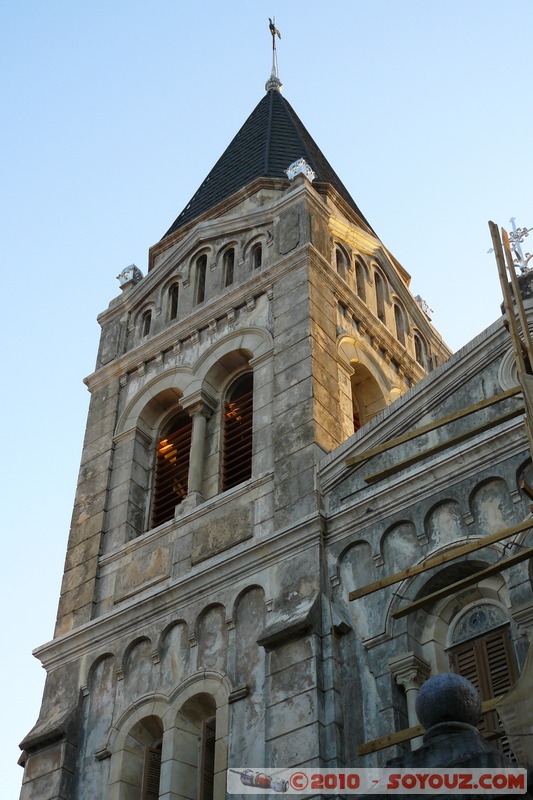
101 634
180 332
212 217
204 232
393 497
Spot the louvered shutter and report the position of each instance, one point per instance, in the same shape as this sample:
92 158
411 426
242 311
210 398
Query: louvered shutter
488 662
151 774
172 469
238 430
208 760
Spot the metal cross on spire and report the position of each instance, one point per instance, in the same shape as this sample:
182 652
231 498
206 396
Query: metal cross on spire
274 81
516 238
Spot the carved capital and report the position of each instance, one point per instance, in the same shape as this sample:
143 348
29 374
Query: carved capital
200 404
409 670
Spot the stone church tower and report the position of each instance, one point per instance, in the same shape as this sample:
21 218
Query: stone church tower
272 323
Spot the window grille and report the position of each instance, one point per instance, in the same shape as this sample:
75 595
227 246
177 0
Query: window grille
238 429
172 469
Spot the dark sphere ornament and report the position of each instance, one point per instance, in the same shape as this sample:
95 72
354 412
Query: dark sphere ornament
448 698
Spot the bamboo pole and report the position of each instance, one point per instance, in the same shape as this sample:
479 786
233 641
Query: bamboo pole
431 426
438 448
464 583
442 558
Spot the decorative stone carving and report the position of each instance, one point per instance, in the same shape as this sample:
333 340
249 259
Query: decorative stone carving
300 167
129 277
410 671
478 620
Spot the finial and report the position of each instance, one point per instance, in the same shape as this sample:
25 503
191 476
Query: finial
273 82
129 277
300 167
447 697
516 238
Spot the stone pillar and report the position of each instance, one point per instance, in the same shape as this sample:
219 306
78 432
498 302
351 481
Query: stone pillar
410 671
199 416
199 411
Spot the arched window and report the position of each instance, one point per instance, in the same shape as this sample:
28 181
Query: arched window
151 773
482 652
201 268
238 429
399 320
367 395
380 296
257 256
207 764
421 354
173 299
171 468
360 279
229 266
341 262
141 760
146 323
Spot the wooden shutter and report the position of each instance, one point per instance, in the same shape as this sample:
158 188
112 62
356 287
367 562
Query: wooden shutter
238 429
489 663
207 767
172 469
151 774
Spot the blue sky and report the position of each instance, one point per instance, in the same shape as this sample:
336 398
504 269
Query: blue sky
114 112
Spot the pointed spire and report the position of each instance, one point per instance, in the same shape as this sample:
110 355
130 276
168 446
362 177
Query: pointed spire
274 82
271 139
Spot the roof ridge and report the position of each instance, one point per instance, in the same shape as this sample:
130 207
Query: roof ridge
269 128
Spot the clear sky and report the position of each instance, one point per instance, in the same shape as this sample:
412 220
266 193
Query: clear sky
114 112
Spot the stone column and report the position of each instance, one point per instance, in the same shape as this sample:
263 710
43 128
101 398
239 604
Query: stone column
410 671
199 410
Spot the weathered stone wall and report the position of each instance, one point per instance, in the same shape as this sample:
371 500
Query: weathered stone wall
224 610
397 508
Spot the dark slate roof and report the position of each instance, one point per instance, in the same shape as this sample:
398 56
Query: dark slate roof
269 141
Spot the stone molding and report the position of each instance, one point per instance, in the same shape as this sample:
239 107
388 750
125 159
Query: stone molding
409 670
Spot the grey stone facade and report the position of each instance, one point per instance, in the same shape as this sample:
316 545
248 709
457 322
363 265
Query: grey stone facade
237 608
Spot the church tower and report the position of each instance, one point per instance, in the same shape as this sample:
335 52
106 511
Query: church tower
272 324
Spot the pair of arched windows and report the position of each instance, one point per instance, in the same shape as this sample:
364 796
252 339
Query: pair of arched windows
174 451
151 778
228 273
144 760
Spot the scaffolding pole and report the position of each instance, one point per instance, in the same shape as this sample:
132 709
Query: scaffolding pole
512 296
